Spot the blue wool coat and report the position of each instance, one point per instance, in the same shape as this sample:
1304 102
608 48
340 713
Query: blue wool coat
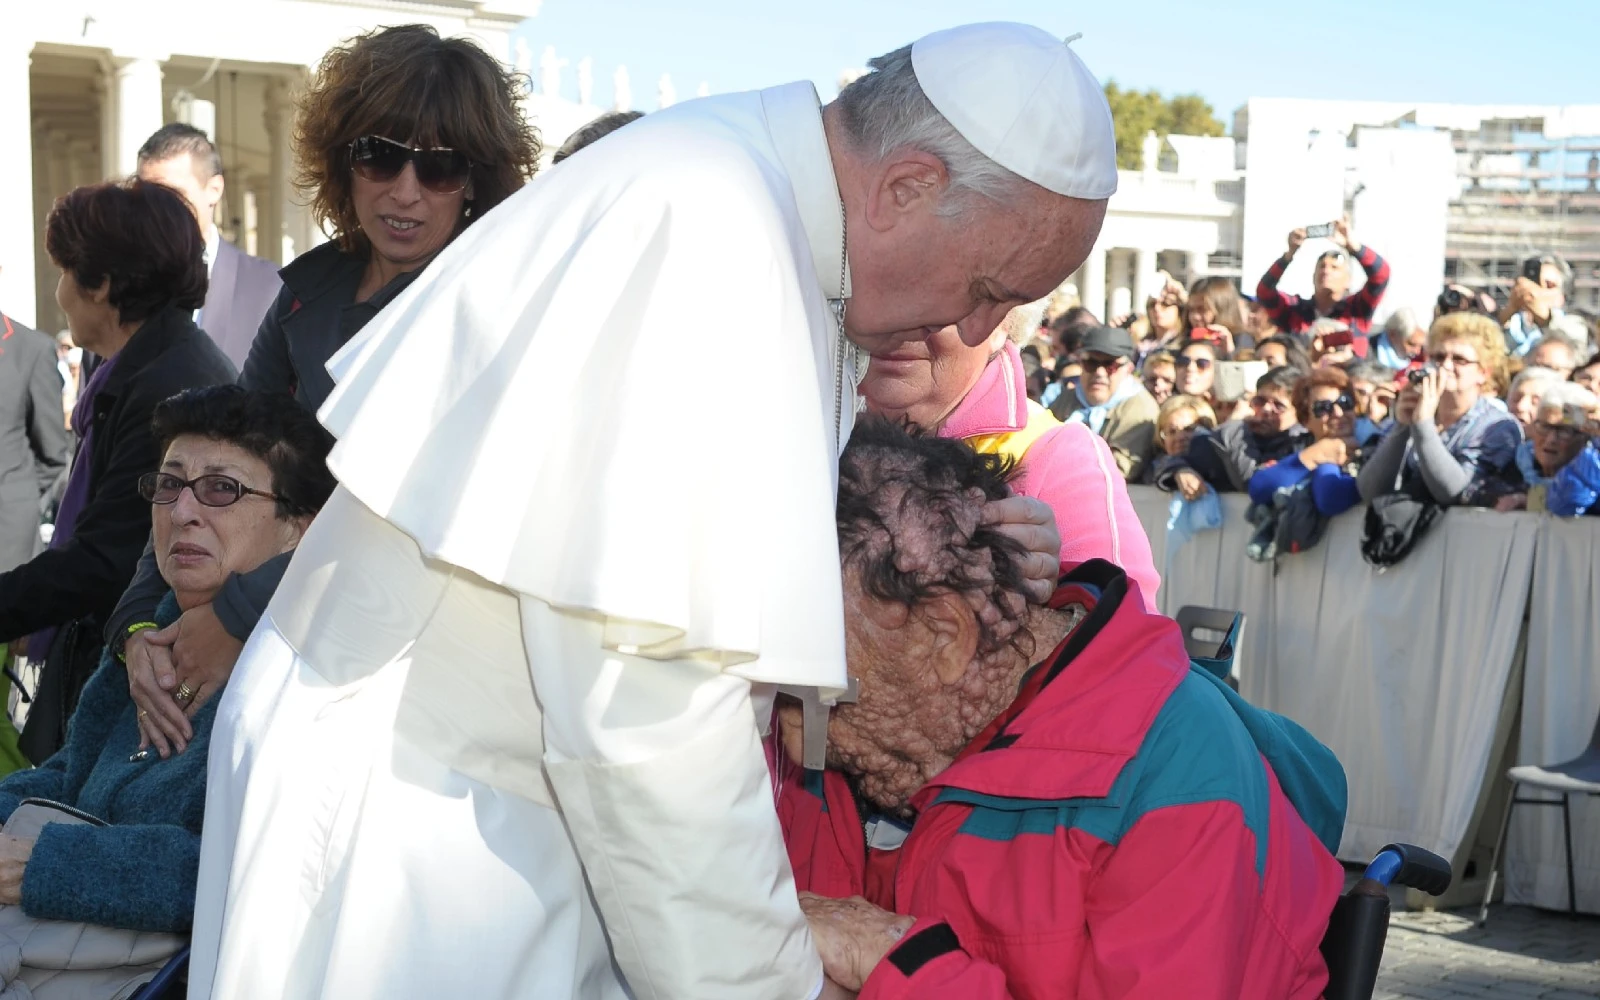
139 870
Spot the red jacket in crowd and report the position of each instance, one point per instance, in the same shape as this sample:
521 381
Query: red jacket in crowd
1292 314
1118 832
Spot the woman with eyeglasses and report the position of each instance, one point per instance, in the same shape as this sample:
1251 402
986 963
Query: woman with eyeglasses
1449 439
402 140
233 479
1556 436
1327 408
133 271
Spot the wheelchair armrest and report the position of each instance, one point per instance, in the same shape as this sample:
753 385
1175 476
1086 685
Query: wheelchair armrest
1421 869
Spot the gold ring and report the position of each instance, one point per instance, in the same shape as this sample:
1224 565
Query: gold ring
185 692
142 714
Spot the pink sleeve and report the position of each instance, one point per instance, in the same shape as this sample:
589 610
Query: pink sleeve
940 972
1073 471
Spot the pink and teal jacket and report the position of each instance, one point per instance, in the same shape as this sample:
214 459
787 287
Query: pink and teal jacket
1127 828
1067 466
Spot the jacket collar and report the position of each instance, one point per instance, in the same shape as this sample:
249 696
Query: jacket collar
320 270
158 333
1084 710
794 117
997 403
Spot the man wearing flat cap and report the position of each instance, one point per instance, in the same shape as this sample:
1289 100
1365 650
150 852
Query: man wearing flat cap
497 734
1112 400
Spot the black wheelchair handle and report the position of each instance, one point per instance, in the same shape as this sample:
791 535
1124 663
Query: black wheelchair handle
1421 869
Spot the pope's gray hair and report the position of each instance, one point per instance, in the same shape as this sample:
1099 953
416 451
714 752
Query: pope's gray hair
886 110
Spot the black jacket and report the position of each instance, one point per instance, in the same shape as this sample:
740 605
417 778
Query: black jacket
315 315
84 577
1227 457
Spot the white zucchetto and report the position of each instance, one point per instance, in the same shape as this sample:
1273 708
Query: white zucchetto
1024 99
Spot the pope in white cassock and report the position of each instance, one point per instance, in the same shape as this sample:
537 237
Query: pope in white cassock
496 736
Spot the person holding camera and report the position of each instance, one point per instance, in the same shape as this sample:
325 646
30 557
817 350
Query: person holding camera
1331 283
1447 433
1536 300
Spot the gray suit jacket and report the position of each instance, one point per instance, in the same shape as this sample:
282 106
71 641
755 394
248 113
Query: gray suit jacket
34 440
242 290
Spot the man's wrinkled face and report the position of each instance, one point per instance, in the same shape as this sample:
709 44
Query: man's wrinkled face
1103 375
1554 355
902 712
925 272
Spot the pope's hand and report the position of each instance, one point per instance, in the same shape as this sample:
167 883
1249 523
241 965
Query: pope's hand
1031 523
852 935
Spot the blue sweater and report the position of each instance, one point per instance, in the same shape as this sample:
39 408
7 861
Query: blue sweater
139 870
1577 486
1332 489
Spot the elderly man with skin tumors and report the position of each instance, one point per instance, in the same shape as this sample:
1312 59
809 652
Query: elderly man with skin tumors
1041 802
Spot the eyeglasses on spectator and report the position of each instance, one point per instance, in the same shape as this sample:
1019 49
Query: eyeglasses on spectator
210 490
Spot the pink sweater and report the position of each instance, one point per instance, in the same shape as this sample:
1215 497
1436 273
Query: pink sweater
1069 468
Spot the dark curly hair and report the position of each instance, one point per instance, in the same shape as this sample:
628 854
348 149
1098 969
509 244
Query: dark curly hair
1333 378
138 235
269 425
407 84
910 525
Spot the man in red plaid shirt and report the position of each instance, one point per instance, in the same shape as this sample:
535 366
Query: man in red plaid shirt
1331 281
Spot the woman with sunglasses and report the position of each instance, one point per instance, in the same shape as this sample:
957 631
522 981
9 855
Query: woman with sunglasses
237 477
403 139
1450 439
133 271
1325 406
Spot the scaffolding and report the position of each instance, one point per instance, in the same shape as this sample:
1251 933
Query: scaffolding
1523 195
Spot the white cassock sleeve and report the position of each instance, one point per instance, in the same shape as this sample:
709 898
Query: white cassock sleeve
658 770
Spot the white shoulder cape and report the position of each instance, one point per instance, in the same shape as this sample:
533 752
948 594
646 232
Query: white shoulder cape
615 393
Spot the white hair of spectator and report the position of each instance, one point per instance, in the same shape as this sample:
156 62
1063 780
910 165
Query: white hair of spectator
1022 323
886 110
1560 264
1535 376
1565 394
1570 329
1401 323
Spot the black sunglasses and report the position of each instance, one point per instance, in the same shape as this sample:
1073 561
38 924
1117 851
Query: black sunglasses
1185 361
440 169
212 491
1323 408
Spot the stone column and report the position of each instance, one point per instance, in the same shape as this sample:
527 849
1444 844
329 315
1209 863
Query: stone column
1092 282
1119 293
1141 260
16 179
58 162
139 111
105 97
276 118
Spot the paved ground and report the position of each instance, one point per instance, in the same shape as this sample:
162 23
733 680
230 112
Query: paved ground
1522 953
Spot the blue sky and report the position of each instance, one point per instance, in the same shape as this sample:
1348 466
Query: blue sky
1467 51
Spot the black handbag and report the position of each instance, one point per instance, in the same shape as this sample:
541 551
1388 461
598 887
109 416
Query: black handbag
1395 523
73 658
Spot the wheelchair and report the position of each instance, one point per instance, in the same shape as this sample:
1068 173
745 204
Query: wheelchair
1359 926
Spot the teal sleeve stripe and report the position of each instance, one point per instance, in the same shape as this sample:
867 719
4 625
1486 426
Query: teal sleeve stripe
1196 751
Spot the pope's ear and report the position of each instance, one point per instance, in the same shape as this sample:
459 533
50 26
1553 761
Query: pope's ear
912 181
955 629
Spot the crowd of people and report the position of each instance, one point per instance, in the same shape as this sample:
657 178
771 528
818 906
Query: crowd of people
1274 396
326 680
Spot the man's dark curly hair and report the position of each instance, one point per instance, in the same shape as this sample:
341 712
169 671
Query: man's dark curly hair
910 518
269 425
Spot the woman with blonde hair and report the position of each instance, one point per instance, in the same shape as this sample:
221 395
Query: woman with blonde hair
1176 423
1214 310
1449 438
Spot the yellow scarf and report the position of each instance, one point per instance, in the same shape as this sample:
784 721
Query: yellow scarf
1015 444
